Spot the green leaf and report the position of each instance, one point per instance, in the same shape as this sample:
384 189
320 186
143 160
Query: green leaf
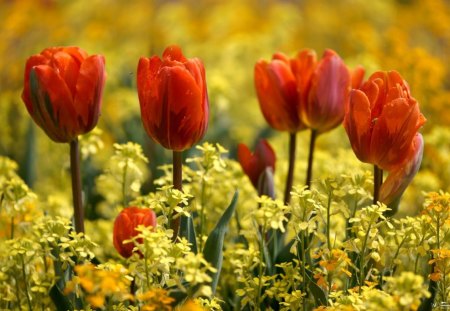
187 230
62 303
213 251
319 295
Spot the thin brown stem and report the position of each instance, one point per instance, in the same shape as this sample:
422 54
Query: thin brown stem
290 175
76 186
177 161
377 181
312 144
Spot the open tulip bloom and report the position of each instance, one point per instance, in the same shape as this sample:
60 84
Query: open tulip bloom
382 121
63 89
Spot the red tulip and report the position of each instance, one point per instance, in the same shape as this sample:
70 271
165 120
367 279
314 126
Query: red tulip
255 163
382 120
173 99
125 227
401 176
277 93
63 91
324 90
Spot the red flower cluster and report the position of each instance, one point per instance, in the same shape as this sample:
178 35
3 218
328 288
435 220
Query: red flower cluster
63 91
125 227
302 92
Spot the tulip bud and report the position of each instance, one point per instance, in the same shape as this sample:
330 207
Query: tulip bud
255 164
125 227
173 99
62 91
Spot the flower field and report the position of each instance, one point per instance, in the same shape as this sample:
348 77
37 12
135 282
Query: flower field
225 155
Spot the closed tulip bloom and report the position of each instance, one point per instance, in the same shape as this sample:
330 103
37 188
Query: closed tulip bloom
125 227
62 91
276 90
382 120
401 176
324 97
173 99
254 164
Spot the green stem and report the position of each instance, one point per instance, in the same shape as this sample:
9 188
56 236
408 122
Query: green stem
361 259
202 215
260 272
377 181
303 261
76 186
12 227
27 294
177 161
312 144
124 184
330 194
290 175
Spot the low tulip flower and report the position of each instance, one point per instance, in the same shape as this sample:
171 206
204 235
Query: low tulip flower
255 164
125 227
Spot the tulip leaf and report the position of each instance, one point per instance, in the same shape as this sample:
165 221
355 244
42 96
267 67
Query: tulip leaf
187 230
62 303
213 251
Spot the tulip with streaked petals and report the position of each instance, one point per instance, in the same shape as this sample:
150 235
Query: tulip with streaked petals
254 164
173 99
62 91
382 120
277 93
401 176
323 100
125 227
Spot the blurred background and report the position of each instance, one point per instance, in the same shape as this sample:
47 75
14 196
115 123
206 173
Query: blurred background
410 36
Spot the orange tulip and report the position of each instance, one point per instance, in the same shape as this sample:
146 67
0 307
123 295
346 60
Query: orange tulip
125 227
324 88
254 164
173 99
62 91
277 94
401 176
382 120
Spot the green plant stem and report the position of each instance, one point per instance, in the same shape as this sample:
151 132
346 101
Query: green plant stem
202 215
177 161
27 294
303 261
260 272
76 186
312 144
330 194
12 227
377 181
290 175
361 259
124 185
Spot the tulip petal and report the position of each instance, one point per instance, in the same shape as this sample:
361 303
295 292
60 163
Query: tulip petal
33 61
68 69
254 164
393 132
53 103
358 123
89 90
303 67
401 176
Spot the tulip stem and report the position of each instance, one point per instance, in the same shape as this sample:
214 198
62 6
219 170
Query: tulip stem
377 181
76 186
312 144
290 175
177 161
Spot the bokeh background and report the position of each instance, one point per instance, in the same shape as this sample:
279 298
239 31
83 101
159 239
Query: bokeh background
410 36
